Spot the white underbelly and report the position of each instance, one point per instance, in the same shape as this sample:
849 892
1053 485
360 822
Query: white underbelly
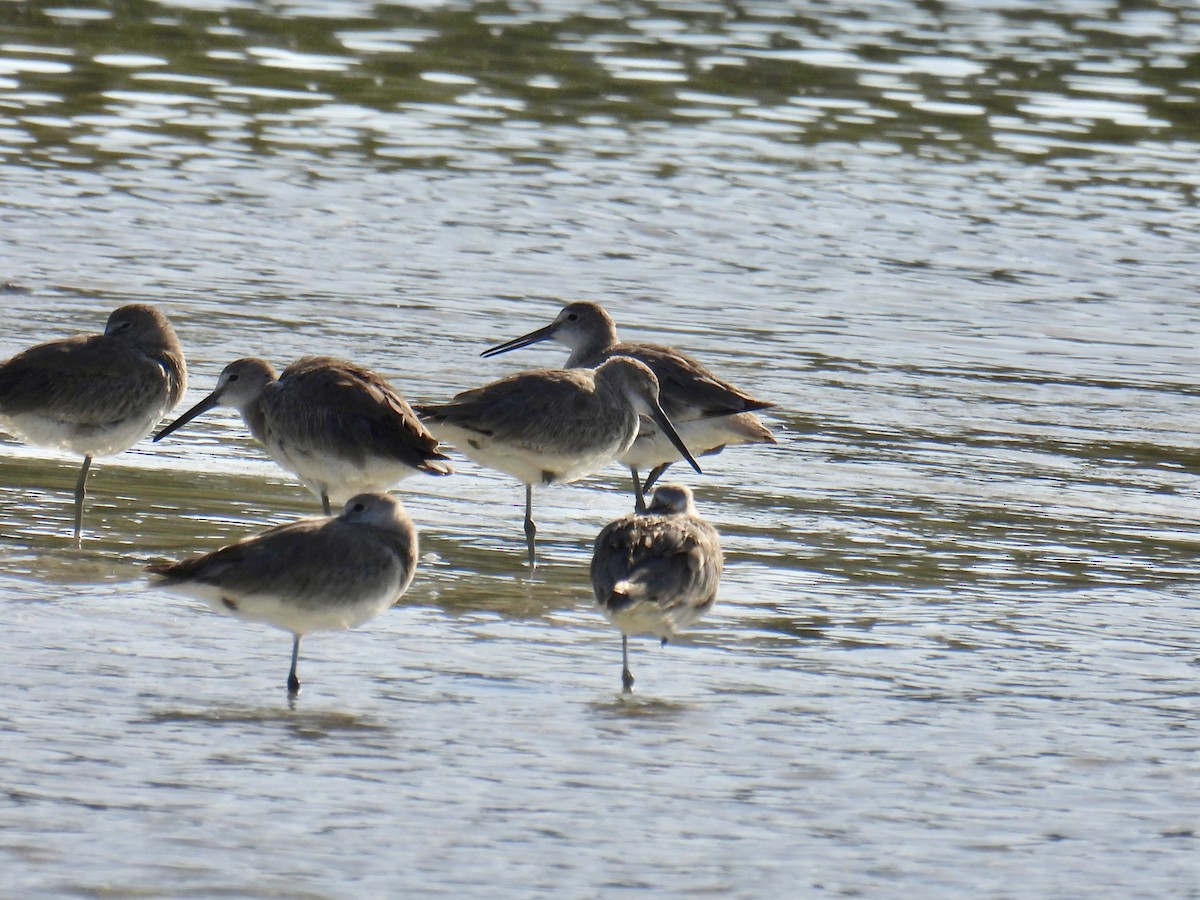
288 614
526 465
648 617
340 478
652 448
85 440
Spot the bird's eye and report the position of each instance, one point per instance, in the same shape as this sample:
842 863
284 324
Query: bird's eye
359 507
124 326
573 317
233 377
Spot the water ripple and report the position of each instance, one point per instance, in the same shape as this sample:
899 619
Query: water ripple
954 244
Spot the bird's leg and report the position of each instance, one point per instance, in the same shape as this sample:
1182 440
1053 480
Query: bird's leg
639 496
655 474
626 675
80 490
293 683
325 502
530 528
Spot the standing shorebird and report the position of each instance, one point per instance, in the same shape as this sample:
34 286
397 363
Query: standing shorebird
553 425
341 428
656 572
321 574
709 413
95 395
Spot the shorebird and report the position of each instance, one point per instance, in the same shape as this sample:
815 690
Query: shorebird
318 574
552 425
341 428
98 394
709 413
656 572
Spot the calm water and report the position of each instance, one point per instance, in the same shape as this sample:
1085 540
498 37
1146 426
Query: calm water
955 651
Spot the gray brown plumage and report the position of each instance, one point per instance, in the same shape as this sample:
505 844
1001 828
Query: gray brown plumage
708 413
340 427
318 574
552 425
95 395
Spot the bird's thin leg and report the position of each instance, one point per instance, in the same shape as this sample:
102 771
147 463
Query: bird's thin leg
325 502
80 490
639 496
530 528
293 683
655 474
626 675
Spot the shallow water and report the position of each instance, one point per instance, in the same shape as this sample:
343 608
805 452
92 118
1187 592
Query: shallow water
954 651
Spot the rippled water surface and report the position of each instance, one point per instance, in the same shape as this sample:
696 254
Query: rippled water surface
955 649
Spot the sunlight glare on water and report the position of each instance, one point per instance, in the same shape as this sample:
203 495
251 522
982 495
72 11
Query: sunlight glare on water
954 651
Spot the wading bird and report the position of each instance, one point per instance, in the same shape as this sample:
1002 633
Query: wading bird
553 425
708 413
341 428
656 572
95 395
320 574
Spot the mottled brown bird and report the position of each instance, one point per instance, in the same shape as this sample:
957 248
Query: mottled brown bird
656 572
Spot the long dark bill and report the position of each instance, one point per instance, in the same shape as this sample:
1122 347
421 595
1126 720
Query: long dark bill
542 334
661 420
199 409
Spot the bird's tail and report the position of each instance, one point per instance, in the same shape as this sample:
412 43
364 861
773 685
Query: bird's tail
625 594
750 429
